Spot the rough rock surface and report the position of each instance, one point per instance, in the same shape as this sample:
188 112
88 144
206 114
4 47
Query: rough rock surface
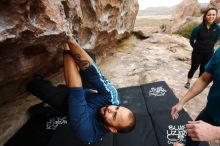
184 13
214 3
32 32
186 8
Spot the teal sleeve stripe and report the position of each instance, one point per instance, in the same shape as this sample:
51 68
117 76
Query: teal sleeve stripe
114 98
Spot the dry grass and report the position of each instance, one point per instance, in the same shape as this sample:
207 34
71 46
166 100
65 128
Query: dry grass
127 44
149 21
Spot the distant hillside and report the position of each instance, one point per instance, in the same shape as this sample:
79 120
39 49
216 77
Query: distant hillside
156 11
161 10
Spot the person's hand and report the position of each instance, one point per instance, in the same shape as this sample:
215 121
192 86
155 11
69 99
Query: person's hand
72 40
201 131
175 110
72 43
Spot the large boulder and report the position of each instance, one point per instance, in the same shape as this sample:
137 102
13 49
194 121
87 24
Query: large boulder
185 13
214 3
186 8
33 31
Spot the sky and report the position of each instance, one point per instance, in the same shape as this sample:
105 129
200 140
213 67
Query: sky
164 3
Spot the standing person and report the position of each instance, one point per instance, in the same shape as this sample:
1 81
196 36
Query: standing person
203 39
211 113
92 113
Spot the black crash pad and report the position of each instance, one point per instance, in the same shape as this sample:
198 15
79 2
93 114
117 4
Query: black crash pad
143 134
159 99
151 104
37 131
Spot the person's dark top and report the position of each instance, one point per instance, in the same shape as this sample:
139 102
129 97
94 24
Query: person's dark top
213 105
85 104
203 39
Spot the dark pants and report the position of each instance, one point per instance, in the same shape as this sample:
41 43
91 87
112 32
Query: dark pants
199 59
56 96
204 117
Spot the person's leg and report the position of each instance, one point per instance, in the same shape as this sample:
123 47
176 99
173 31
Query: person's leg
50 94
57 97
204 60
195 62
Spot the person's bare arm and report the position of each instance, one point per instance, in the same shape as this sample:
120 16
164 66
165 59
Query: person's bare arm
202 131
71 73
200 84
82 59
